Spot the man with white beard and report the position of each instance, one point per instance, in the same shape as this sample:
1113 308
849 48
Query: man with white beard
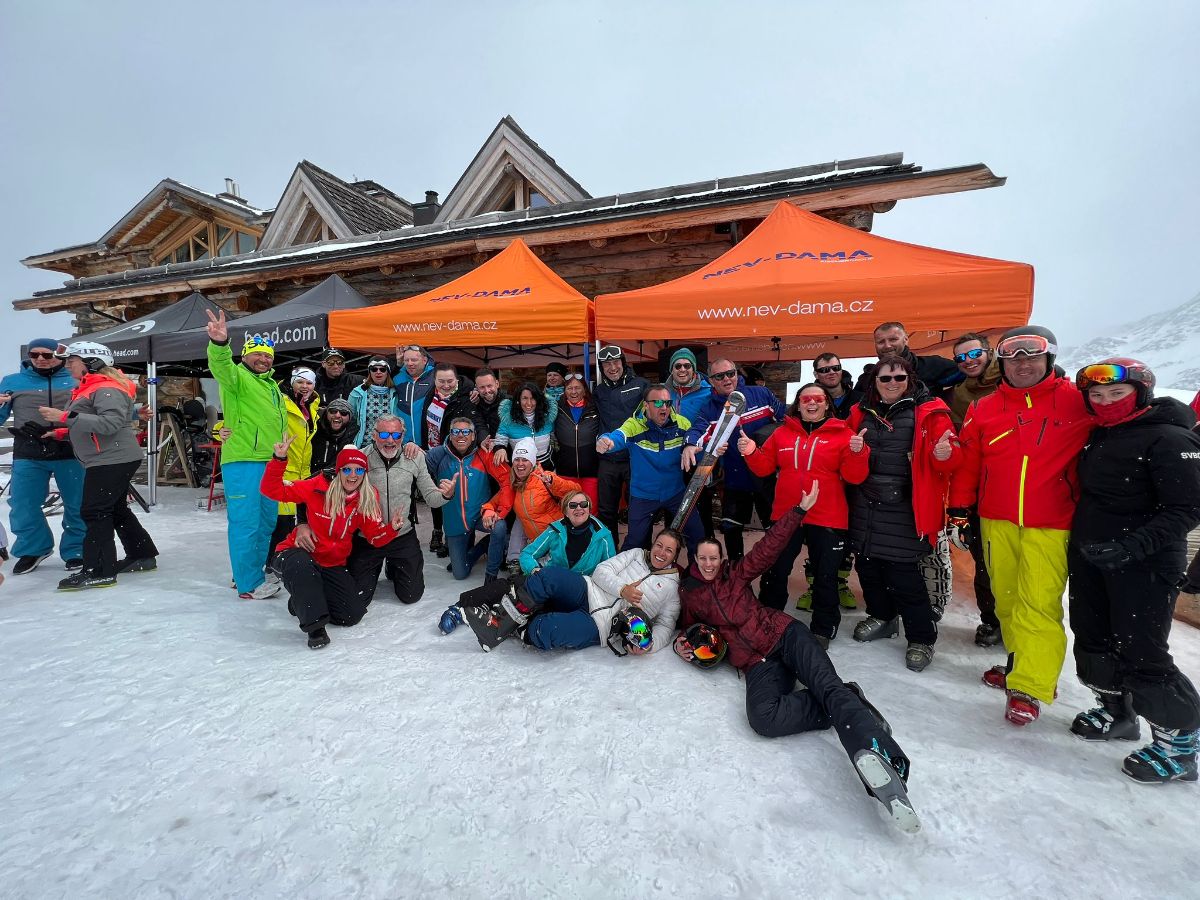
393 476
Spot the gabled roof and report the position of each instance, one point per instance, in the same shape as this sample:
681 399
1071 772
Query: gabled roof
348 210
507 146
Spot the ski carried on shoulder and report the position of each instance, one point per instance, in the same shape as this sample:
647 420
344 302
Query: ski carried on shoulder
718 437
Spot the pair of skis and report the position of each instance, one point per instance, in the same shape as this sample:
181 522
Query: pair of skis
722 430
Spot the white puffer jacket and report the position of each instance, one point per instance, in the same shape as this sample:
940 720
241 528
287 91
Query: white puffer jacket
660 595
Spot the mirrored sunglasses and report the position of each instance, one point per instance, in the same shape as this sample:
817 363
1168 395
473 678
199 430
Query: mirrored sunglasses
659 404
574 376
259 341
461 432
353 470
390 435
970 354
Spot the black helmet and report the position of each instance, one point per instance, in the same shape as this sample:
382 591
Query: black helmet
630 628
1041 341
701 645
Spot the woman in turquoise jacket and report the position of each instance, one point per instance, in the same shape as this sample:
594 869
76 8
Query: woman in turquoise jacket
578 541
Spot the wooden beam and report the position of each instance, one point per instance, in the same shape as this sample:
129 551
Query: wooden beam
142 223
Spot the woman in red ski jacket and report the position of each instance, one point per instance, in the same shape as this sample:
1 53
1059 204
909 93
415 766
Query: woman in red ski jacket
312 562
811 445
774 650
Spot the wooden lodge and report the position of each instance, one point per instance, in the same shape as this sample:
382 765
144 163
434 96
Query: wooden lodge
178 239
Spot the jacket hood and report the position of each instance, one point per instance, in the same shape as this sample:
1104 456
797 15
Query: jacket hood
93 381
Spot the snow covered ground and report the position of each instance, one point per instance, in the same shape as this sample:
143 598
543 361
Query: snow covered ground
164 739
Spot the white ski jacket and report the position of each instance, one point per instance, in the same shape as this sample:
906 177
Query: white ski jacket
660 595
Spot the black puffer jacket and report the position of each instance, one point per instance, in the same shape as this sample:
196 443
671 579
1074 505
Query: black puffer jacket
1140 485
490 413
326 443
938 374
882 523
576 456
329 389
616 401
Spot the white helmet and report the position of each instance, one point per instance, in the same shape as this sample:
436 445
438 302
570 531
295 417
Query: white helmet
95 356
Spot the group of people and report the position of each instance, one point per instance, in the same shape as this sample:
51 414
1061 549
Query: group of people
1042 478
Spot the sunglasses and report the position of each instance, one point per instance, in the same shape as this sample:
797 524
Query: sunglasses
574 376
659 404
353 470
682 365
579 504
257 341
609 353
887 379
721 376
970 354
337 412
826 370
462 432
812 398
34 354
393 435
416 347
377 368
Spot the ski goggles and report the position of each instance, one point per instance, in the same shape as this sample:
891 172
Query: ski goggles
1024 345
610 352
353 470
639 634
1108 373
390 435
970 354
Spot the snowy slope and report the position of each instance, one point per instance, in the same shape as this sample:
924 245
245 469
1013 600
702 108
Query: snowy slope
163 739
1168 341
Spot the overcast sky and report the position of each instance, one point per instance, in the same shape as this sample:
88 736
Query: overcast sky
1090 110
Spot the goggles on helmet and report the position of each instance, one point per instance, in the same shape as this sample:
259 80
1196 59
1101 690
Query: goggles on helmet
612 351
1110 373
1024 345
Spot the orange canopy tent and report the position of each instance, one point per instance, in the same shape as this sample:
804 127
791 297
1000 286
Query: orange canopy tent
513 307
799 285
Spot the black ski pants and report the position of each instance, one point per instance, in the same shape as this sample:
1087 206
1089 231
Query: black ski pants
406 570
284 525
775 707
892 588
320 595
738 506
1121 621
105 510
611 480
826 548
984 598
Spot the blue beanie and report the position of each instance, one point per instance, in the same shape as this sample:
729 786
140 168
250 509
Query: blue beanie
43 344
683 353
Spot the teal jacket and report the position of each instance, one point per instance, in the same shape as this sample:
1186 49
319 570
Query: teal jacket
552 543
251 405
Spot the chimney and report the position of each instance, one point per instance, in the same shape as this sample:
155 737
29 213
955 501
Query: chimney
425 213
231 191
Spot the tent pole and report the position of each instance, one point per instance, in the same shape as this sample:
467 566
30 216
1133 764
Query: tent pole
586 361
597 381
152 432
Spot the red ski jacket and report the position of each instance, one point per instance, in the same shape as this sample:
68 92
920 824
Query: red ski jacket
802 458
727 604
931 477
1020 453
334 534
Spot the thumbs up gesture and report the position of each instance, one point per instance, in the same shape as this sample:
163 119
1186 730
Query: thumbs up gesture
943 448
858 441
746 446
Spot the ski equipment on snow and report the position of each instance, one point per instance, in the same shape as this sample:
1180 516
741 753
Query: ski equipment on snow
718 437
884 780
630 628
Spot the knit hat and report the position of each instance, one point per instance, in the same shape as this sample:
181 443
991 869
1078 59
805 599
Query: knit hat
379 361
306 374
340 405
256 344
556 367
43 344
683 353
525 448
351 456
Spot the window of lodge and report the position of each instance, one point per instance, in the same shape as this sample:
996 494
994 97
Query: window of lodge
209 240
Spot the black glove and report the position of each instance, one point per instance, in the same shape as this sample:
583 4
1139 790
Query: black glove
32 429
1108 556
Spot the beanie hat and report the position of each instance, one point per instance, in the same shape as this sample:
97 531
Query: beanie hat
306 374
351 456
333 353
337 403
525 448
379 361
43 344
256 344
683 353
556 367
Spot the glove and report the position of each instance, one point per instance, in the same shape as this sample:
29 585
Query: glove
958 527
32 429
1108 556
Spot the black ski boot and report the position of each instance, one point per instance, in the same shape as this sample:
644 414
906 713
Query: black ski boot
82 581
858 691
493 625
1113 720
437 544
1171 757
318 638
885 779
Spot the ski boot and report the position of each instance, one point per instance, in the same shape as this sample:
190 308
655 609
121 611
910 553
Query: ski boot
858 692
81 581
997 677
804 601
884 779
1113 720
495 624
145 564
872 629
846 596
1171 757
918 657
318 638
437 544
988 635
451 619
1021 709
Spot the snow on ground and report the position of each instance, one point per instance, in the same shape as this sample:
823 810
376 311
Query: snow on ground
164 739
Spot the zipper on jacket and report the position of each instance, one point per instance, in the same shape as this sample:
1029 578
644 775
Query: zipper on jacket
811 452
1021 492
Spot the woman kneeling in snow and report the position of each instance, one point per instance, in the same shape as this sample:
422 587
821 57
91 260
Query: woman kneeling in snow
557 608
774 650
312 562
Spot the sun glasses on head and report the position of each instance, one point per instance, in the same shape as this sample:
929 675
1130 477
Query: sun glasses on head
970 354
353 470
390 435
826 370
887 379
461 432
578 504
609 353
574 376
258 341
721 376
38 354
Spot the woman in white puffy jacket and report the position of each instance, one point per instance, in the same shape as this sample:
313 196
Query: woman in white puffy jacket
576 611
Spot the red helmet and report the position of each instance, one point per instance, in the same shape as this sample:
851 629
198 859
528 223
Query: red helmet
1118 370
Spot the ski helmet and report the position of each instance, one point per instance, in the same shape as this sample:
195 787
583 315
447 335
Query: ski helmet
95 356
1039 340
1118 370
705 646
630 628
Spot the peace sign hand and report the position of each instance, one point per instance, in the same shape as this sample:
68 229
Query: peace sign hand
281 448
218 331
